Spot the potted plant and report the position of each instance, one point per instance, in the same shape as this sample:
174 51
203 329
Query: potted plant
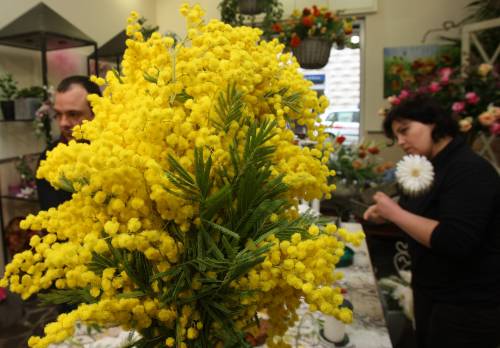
28 101
43 116
239 12
357 167
311 33
8 90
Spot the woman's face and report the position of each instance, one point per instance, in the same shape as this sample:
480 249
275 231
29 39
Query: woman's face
414 137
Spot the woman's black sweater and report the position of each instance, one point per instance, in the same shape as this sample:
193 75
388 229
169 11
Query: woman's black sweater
463 263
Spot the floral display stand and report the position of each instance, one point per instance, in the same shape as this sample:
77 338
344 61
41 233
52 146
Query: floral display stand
488 146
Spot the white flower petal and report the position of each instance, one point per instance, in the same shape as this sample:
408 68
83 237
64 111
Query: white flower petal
414 174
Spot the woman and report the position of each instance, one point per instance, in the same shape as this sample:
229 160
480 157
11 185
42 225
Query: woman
453 230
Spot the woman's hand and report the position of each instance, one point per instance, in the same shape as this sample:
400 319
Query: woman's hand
371 214
383 210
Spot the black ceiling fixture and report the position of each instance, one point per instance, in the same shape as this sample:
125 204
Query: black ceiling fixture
42 29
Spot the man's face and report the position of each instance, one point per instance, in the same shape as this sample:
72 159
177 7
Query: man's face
71 108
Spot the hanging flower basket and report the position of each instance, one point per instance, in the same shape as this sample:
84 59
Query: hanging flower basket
313 53
250 7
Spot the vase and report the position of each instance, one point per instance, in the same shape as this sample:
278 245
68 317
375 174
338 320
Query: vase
333 333
7 109
25 108
250 7
313 53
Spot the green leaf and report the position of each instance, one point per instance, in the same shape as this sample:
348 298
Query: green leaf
222 229
183 97
100 262
132 294
66 184
229 107
117 75
216 202
67 296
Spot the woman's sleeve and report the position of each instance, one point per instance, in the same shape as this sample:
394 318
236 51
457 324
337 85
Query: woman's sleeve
466 204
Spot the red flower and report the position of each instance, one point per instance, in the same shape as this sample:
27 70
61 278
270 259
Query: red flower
472 98
362 154
295 41
495 128
373 150
458 106
394 100
328 15
306 12
308 21
404 94
434 87
445 74
340 139
277 28
316 11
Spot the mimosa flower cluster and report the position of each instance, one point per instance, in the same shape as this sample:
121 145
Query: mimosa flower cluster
183 222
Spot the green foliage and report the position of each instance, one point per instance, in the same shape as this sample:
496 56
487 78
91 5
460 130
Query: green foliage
67 296
229 108
272 9
147 30
8 87
31 92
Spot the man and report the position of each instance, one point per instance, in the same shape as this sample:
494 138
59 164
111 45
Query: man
71 109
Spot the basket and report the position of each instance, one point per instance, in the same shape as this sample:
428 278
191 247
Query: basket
313 53
250 7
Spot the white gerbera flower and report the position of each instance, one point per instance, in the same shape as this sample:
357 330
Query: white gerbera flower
414 174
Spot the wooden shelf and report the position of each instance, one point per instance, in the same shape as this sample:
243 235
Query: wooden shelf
15 198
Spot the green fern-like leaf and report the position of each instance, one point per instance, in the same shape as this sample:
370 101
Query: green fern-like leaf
229 108
67 296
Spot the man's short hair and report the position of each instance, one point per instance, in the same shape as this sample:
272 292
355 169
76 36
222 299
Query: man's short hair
83 81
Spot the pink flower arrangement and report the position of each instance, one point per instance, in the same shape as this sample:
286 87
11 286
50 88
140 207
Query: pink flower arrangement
472 99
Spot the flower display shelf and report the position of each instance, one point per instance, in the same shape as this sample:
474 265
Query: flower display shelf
313 53
4 120
19 198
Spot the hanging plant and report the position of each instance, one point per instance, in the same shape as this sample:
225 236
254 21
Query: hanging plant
311 33
235 13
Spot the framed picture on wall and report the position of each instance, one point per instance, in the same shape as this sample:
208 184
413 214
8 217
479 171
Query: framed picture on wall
405 67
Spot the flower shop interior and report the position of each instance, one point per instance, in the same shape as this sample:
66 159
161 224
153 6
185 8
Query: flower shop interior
360 59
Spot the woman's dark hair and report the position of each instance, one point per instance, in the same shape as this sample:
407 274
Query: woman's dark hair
424 110
83 81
